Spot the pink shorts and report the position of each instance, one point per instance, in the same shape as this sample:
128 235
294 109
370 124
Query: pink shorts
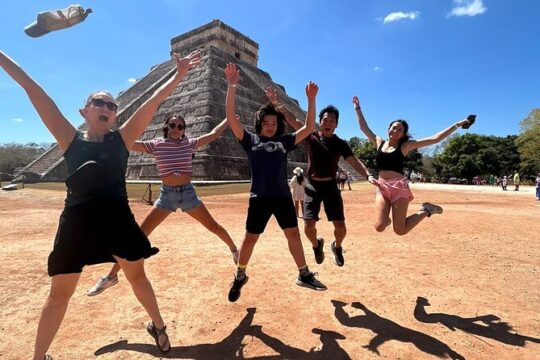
395 189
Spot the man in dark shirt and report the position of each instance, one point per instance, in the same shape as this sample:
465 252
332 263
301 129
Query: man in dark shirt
324 150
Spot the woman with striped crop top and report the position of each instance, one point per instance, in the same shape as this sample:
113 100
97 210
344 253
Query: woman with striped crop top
393 187
174 154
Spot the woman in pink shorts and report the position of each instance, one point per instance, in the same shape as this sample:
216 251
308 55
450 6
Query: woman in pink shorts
394 192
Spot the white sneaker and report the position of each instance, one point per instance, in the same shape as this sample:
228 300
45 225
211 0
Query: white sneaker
103 284
431 208
236 256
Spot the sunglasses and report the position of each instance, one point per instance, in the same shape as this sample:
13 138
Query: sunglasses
180 126
101 103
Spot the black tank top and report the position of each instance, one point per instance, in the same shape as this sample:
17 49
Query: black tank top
393 161
111 153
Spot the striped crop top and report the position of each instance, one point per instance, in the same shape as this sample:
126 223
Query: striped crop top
173 156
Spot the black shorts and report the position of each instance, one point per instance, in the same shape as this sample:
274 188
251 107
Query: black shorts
326 192
261 209
91 233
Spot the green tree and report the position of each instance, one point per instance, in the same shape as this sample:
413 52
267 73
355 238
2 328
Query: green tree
17 155
528 143
469 155
363 150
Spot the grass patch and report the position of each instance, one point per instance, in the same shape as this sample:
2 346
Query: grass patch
136 191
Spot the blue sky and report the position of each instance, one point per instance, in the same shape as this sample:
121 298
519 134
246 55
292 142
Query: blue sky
431 62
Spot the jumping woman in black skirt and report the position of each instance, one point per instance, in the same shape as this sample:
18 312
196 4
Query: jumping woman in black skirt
97 224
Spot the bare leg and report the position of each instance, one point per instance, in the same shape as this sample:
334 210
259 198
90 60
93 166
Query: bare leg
62 288
403 224
340 230
311 231
247 248
296 204
302 207
382 211
152 219
134 271
202 215
295 246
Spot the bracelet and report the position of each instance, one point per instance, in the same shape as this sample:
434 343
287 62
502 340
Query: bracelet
232 85
456 127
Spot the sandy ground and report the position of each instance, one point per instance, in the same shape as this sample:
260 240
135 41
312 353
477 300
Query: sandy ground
464 284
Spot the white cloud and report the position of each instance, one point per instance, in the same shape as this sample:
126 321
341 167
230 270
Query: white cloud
132 80
467 8
17 120
377 69
400 15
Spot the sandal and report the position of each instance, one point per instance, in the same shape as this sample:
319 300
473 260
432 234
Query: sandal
156 334
471 119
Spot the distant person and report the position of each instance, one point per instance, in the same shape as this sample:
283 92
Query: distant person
173 154
298 187
537 182
97 224
394 192
504 183
267 151
349 177
342 179
325 149
516 181
413 176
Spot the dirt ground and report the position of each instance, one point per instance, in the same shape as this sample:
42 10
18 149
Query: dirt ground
464 284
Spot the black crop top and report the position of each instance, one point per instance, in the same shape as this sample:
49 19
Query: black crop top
393 161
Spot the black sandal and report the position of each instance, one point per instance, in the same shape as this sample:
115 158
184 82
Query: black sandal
156 334
471 119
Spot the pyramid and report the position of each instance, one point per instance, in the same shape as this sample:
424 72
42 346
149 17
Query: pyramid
200 99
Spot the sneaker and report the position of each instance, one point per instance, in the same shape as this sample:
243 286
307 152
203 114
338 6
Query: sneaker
103 284
310 281
431 208
319 251
338 254
236 256
236 286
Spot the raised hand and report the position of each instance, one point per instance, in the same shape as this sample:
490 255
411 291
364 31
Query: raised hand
232 74
311 90
184 64
470 120
462 122
272 95
356 102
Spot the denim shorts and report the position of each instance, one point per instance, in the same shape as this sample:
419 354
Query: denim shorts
181 197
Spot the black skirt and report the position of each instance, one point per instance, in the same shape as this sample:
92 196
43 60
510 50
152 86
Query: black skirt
92 232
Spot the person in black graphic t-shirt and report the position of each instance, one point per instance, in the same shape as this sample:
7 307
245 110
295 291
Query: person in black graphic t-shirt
269 195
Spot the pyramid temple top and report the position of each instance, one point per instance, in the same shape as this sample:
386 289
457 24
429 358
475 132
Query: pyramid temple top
217 34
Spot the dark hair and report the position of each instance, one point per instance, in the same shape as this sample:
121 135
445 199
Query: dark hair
300 179
166 124
269 109
406 136
331 109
